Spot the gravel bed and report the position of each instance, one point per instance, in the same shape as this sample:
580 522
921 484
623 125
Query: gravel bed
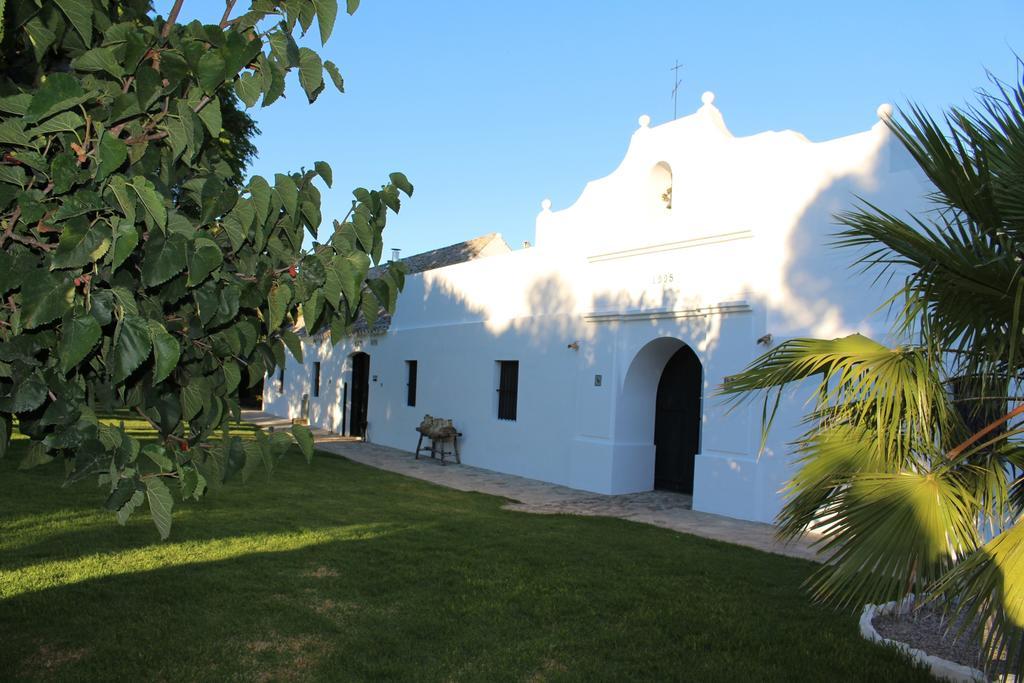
929 630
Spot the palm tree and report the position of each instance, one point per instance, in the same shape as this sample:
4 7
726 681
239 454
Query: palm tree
910 465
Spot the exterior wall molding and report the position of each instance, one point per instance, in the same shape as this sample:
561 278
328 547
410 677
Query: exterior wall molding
728 308
672 246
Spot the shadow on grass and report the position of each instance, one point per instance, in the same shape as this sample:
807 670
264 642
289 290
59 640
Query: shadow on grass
341 572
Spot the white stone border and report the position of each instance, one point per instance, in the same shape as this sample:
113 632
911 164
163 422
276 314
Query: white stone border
942 669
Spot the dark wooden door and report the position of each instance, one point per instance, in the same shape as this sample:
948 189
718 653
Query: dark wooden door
360 394
677 422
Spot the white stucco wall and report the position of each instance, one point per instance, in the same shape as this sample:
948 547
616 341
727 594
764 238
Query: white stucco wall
742 253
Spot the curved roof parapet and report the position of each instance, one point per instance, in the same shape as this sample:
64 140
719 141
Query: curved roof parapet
705 159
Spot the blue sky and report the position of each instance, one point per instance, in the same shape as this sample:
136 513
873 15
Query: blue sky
490 107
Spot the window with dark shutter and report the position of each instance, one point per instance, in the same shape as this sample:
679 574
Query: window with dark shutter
316 380
508 389
410 366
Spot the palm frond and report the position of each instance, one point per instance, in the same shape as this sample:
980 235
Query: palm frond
860 383
893 533
987 588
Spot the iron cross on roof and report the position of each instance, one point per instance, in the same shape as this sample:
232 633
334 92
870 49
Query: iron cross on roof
675 87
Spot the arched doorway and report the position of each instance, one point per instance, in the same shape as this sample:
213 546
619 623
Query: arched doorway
360 394
677 421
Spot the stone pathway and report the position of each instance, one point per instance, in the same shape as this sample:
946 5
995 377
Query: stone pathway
659 508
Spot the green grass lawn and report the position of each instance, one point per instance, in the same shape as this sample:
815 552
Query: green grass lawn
337 571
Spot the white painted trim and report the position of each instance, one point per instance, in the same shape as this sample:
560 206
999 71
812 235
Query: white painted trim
943 669
673 246
667 314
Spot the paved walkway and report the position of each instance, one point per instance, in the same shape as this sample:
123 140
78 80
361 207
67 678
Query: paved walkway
660 508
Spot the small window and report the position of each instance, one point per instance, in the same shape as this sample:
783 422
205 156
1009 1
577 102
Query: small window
316 379
410 368
508 389
280 380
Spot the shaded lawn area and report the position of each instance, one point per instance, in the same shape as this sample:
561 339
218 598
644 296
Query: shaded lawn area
337 571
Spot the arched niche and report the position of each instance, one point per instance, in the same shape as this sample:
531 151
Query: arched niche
659 188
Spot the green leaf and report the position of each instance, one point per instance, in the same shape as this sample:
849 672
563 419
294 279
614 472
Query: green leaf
79 13
126 238
99 59
45 297
81 335
151 199
280 297
239 222
275 88
64 122
12 132
131 348
401 182
63 172
78 204
352 6
211 117
247 337
235 461
35 456
59 92
42 38
158 454
120 493
304 440
232 376
163 258
259 188
332 288
294 344
125 200
27 394
192 483
160 505
385 291
13 175
311 310
323 169
113 153
16 104
192 398
335 74
130 506
288 192
211 71
166 351
81 244
351 271
204 257
253 458
311 73
326 13
370 308
248 89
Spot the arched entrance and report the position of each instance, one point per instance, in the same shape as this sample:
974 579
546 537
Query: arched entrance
677 421
360 394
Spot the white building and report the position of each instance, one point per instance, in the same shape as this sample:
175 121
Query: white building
612 333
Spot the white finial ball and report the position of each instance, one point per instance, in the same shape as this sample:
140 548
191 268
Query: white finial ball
884 111
546 205
708 97
644 121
